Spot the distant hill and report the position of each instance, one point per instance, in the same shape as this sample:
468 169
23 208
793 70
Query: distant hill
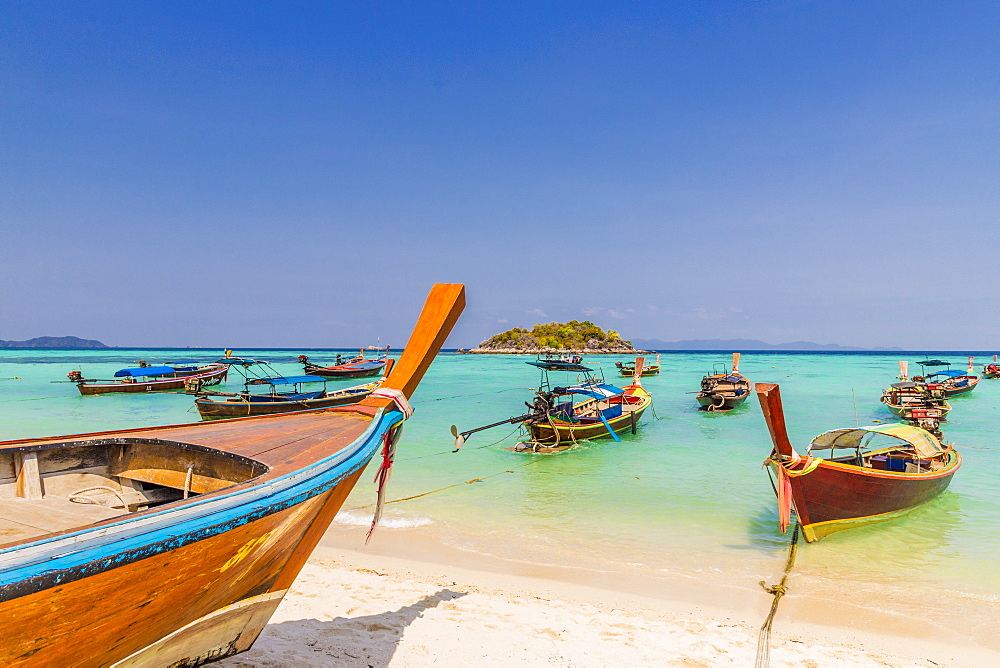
53 342
740 344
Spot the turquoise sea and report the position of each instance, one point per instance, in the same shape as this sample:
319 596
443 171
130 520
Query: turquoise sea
684 497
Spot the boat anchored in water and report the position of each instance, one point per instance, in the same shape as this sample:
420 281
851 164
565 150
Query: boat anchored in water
280 393
992 370
722 391
167 377
952 381
918 404
356 367
886 471
627 369
556 421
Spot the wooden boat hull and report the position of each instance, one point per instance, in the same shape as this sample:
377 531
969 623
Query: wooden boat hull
724 396
566 434
195 578
834 495
345 372
119 592
729 403
965 389
213 377
211 409
646 371
837 496
900 410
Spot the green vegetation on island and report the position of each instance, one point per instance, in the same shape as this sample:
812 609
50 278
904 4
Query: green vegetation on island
572 336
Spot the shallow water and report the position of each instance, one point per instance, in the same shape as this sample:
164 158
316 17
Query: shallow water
684 496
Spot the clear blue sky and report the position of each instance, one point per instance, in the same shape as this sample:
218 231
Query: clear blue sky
296 174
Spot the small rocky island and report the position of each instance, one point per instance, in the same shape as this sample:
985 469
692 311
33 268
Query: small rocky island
53 342
583 338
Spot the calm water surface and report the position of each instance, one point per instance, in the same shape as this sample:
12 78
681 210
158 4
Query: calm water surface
684 496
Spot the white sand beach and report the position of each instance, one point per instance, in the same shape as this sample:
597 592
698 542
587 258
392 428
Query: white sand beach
386 604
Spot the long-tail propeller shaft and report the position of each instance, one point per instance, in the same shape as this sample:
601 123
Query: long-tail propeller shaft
542 407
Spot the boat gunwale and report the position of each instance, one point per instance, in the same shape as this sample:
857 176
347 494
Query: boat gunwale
125 440
954 462
202 507
355 408
97 382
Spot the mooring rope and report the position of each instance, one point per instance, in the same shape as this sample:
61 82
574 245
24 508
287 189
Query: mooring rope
778 590
449 452
466 482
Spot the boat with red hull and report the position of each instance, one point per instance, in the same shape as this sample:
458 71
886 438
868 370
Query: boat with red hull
992 370
871 483
174 545
169 377
356 367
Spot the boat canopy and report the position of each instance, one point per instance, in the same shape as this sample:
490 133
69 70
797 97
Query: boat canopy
905 385
593 390
145 371
950 373
922 441
292 380
934 363
238 360
559 365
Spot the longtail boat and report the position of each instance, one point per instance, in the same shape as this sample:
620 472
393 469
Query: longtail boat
172 546
992 370
282 393
356 367
557 422
952 381
888 471
627 369
168 377
721 390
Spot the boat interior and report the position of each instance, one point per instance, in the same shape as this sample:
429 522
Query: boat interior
588 411
61 486
885 453
729 384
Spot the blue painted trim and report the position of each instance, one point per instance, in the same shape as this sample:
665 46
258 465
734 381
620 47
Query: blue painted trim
65 558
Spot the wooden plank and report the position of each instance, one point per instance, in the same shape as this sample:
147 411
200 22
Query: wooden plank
29 483
64 459
67 483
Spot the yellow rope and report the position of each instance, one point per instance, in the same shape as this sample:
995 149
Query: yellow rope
459 484
778 590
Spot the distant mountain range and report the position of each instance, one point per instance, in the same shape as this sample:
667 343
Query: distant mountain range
739 344
53 342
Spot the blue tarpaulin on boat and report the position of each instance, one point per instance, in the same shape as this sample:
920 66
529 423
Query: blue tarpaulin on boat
951 373
291 380
595 391
145 371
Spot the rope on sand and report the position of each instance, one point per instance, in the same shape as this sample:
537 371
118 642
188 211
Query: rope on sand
778 590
